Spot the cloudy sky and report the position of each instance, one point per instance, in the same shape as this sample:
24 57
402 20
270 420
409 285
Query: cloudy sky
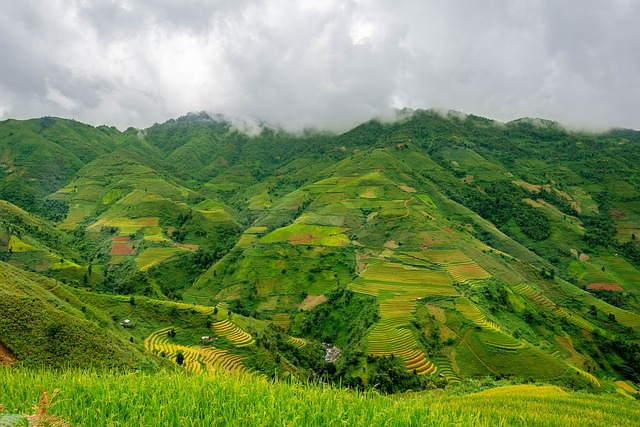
320 63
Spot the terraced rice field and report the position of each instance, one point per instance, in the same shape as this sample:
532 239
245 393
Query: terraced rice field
154 234
572 317
152 256
407 292
623 317
303 234
158 343
445 368
396 308
233 333
195 358
390 337
585 374
447 256
621 271
298 342
398 273
501 340
282 319
536 296
473 313
246 240
77 213
217 360
126 226
465 273
626 387
575 318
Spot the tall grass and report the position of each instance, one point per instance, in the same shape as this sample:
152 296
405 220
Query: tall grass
95 398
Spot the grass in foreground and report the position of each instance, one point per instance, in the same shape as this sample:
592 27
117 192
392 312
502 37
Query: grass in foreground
93 398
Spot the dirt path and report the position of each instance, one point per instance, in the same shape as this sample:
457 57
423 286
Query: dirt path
406 214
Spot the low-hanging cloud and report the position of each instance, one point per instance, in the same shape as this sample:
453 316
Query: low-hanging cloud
328 64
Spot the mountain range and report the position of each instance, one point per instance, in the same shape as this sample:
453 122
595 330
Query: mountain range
403 254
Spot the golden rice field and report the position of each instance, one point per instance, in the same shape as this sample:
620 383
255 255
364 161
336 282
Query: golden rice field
500 340
298 342
154 234
473 313
118 399
446 256
393 308
464 273
390 336
398 273
407 292
196 358
585 374
445 368
233 333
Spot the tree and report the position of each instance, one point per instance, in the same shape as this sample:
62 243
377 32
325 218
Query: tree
180 358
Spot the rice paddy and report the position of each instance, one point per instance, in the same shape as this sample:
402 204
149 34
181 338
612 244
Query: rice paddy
126 226
465 273
233 333
398 273
587 375
282 319
153 256
303 234
392 337
196 358
117 399
298 342
473 313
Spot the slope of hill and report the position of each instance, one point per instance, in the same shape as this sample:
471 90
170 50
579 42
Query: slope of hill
429 249
43 323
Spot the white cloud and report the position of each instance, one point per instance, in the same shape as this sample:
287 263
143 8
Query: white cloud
329 64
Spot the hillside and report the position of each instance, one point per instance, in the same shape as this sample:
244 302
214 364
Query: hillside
429 250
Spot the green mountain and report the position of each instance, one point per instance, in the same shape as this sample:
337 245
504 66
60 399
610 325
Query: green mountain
431 249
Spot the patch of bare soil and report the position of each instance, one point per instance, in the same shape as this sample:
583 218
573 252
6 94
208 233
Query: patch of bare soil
6 357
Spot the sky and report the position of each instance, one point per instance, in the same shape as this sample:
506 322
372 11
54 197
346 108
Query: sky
325 64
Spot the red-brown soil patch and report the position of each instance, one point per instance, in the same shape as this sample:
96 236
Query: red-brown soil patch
301 239
121 249
601 286
120 239
584 257
449 230
618 214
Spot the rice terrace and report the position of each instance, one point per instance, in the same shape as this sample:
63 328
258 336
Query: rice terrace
426 268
